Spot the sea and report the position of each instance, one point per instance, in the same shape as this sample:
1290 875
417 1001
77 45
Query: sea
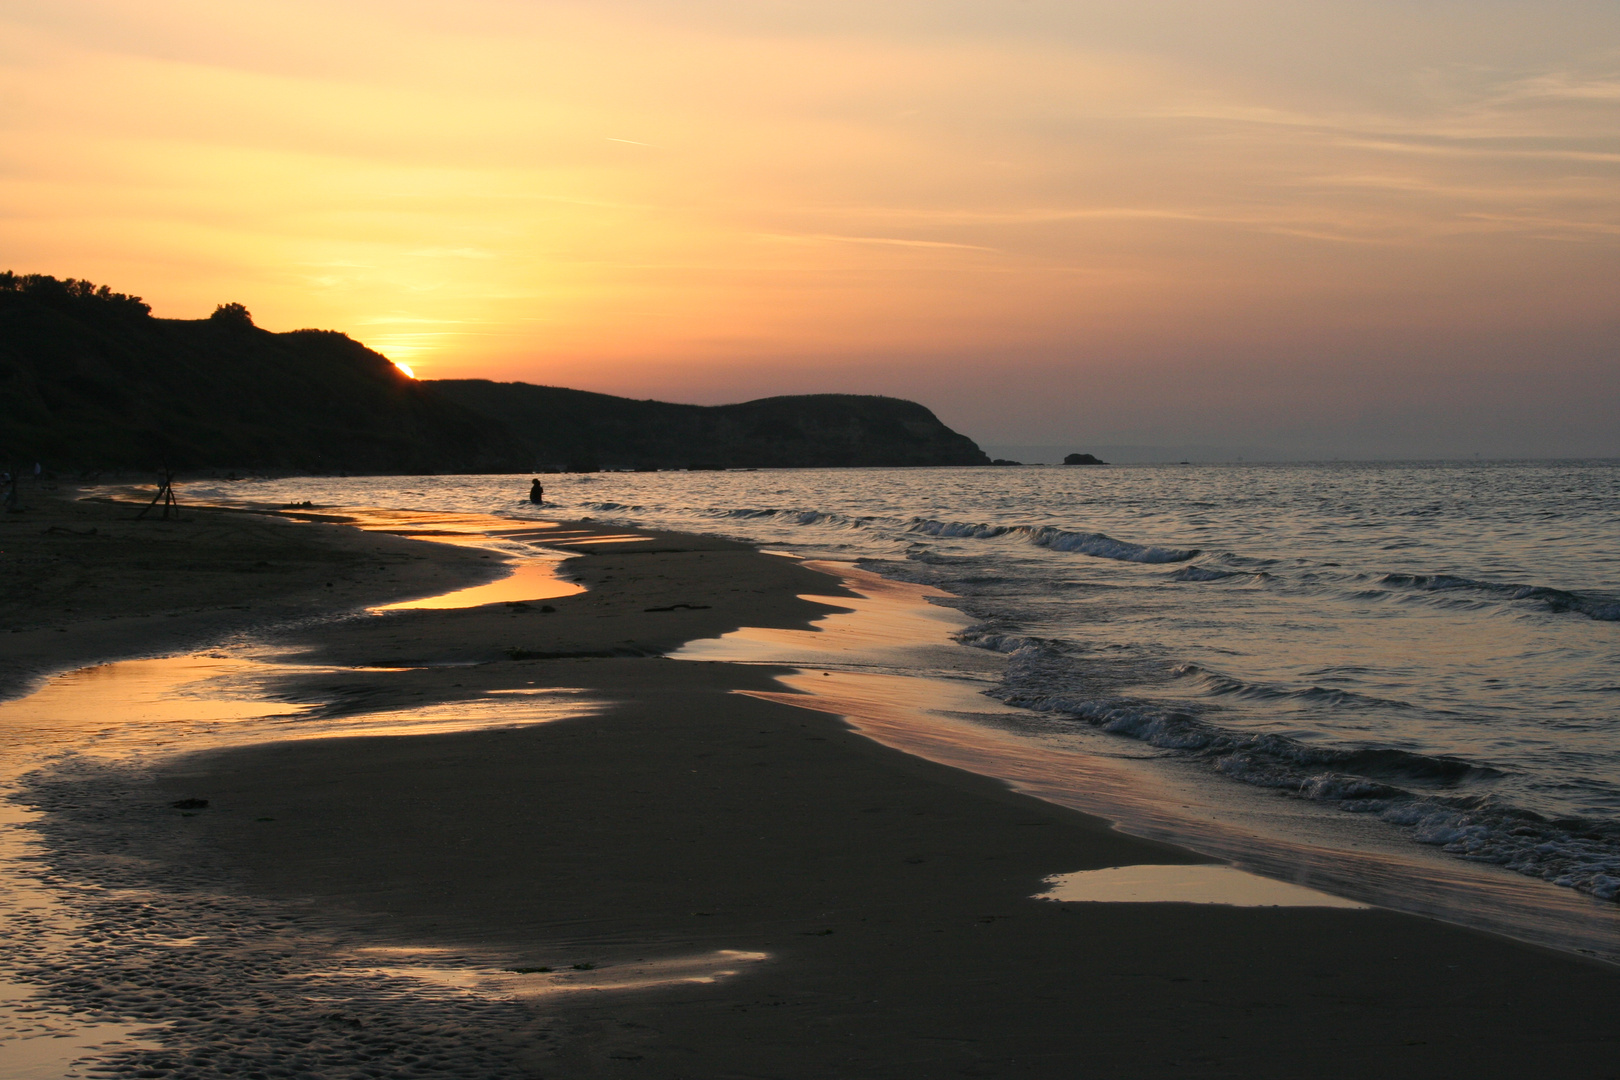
1427 650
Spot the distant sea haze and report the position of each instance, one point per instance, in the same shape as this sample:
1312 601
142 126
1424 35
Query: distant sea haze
1132 454
1430 647
1191 453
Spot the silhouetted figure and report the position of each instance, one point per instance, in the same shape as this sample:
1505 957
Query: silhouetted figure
165 494
537 494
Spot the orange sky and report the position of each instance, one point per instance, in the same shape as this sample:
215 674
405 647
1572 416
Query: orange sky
1323 228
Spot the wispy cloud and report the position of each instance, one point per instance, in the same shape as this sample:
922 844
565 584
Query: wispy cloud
895 241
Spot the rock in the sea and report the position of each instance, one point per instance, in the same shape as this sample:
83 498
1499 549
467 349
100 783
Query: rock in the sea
1083 459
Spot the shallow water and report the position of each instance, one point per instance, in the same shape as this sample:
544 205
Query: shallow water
1430 647
531 580
1184 885
108 969
889 665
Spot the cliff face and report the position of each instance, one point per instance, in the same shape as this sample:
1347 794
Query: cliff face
90 380
575 429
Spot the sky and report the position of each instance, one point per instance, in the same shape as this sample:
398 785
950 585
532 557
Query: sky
1311 229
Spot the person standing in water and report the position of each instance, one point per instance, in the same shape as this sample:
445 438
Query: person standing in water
537 494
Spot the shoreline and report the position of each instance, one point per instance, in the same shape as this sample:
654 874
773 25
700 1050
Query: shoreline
893 897
898 678
82 579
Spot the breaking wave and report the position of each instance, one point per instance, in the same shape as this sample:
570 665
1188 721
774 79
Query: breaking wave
1601 608
1439 800
794 517
1097 545
1209 573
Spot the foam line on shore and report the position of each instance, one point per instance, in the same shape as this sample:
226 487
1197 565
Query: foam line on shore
894 680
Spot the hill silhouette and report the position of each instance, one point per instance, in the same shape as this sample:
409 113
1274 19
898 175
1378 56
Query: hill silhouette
576 429
89 379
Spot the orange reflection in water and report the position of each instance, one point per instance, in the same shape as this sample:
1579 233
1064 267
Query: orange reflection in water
1185 885
531 579
132 708
885 620
133 701
943 720
542 981
481 530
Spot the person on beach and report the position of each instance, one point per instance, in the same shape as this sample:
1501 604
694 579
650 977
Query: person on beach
537 494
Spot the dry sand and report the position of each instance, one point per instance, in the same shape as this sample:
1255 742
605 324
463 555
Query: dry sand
877 908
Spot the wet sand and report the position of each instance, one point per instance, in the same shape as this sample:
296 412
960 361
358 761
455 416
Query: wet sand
877 909
84 581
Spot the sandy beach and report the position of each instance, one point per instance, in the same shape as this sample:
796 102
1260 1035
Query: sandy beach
688 880
84 581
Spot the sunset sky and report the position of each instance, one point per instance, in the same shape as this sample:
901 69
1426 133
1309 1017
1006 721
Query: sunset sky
1303 228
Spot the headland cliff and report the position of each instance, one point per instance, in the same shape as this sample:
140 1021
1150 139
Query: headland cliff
91 380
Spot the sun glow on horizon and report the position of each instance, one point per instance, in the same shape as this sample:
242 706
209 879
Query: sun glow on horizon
406 368
1364 216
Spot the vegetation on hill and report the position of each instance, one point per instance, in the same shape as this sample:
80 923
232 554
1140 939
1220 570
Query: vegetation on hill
575 429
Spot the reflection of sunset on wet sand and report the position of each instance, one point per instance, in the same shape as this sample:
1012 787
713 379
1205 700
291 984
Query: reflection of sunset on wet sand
511 840
532 579
1184 885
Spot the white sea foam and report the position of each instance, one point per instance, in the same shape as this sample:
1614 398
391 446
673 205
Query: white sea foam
1097 545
